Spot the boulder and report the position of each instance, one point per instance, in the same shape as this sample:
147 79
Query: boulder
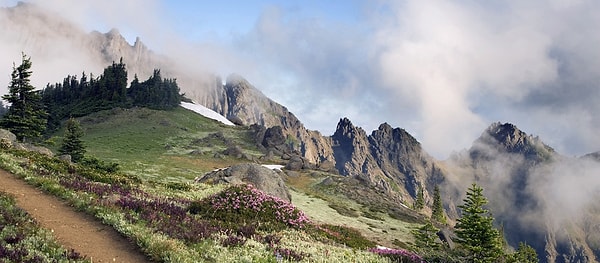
7 137
273 137
33 148
295 163
261 177
234 151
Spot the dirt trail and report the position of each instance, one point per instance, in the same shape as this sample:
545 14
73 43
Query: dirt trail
76 230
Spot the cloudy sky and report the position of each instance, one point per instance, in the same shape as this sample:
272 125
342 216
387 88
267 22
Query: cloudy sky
442 70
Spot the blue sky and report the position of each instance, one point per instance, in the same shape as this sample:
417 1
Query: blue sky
199 19
442 69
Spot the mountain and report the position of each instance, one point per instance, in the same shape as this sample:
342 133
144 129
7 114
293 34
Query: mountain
537 195
592 156
519 173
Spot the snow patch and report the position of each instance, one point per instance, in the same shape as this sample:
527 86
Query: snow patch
273 166
206 112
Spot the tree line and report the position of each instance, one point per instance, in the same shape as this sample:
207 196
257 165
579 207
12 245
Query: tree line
76 97
33 113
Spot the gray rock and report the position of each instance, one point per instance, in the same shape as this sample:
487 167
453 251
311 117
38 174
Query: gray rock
295 163
273 137
261 177
65 157
33 148
235 151
8 137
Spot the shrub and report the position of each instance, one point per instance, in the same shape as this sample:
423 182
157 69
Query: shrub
245 205
343 235
97 164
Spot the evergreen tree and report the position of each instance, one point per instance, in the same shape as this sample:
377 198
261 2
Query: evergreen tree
72 143
524 254
420 200
475 229
26 117
425 237
437 212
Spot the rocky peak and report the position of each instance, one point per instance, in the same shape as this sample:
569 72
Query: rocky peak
114 34
345 129
401 158
351 150
385 133
507 138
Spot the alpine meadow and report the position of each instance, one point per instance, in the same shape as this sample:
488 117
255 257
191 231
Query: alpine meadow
181 150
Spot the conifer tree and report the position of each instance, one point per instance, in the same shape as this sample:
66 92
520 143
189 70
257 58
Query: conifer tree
420 200
425 237
26 117
72 143
524 254
437 212
475 229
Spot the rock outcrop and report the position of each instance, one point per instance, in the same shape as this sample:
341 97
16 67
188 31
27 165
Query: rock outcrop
9 140
261 177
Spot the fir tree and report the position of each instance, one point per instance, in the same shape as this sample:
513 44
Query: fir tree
420 200
26 117
524 254
72 143
475 229
437 212
425 237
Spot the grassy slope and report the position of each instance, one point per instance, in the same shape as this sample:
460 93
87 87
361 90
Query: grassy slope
156 145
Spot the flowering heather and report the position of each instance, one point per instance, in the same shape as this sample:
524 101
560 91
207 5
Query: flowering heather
22 240
398 255
246 204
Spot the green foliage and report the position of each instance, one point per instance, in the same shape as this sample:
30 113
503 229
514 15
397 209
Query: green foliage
342 235
420 200
246 205
161 237
524 254
72 143
475 229
99 165
426 237
155 93
79 97
26 117
437 212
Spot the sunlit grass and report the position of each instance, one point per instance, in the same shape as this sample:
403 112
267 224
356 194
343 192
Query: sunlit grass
384 231
159 145
161 245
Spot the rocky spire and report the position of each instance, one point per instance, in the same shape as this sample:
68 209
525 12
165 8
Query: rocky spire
507 138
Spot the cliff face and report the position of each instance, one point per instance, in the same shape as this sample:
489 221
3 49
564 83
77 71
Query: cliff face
352 153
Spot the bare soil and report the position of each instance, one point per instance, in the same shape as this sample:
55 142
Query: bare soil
77 230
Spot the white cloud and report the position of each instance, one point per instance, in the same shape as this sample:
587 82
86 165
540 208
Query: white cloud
443 70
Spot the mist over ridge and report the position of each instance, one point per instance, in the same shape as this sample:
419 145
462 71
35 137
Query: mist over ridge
461 67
